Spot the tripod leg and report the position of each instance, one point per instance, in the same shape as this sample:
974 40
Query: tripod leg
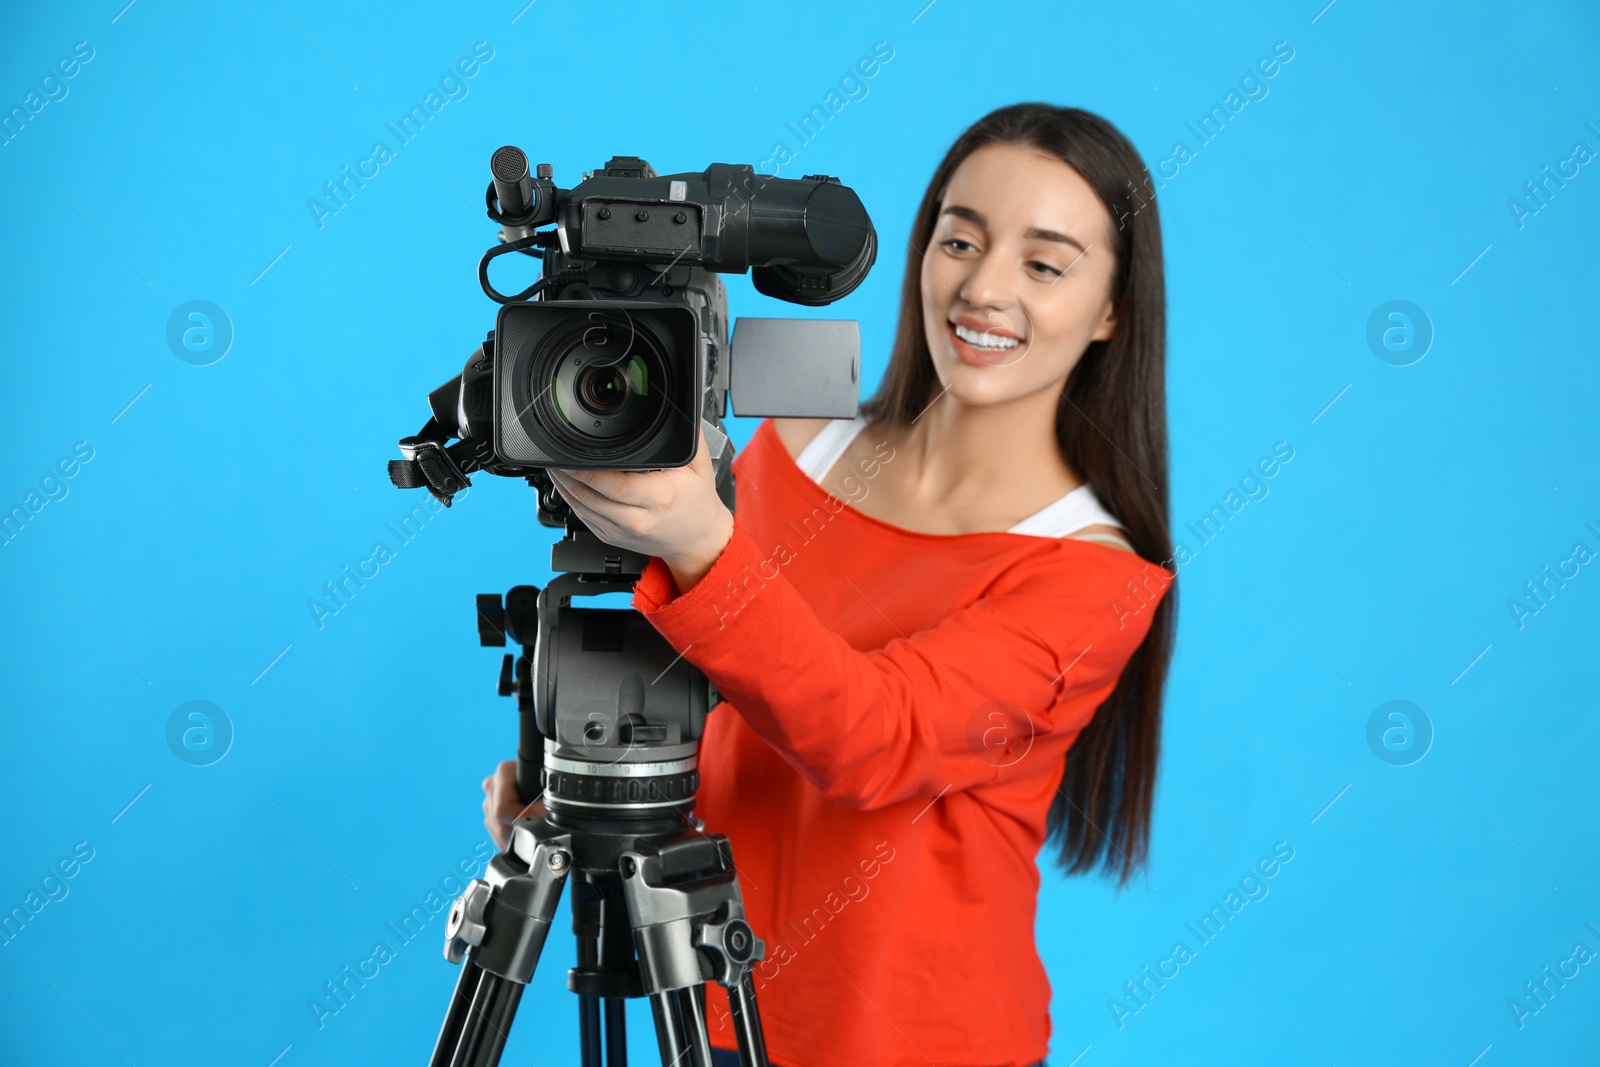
497 1024
497 929
687 930
616 1032
747 1023
492 1009
460 1003
680 1029
693 1001
669 1031
589 1030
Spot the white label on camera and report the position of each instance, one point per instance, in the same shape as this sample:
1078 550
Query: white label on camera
678 191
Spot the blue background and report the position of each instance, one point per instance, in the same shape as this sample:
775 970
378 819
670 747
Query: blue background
178 567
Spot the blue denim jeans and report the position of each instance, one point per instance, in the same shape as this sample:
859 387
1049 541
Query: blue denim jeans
721 1057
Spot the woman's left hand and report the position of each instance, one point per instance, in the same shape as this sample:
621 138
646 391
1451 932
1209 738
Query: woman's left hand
674 514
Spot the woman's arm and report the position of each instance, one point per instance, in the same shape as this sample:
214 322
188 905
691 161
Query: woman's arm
931 710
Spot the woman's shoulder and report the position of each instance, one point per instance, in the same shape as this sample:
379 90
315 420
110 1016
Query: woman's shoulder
1073 569
1104 534
797 433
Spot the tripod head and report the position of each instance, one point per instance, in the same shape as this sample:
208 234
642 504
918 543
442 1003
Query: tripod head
610 717
613 749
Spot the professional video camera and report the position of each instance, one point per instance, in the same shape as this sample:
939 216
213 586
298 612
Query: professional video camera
617 358
625 349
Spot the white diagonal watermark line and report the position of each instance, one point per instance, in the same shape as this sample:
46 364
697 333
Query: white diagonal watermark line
889 219
307 440
97 630
130 804
474 605
902 633
1297 630
1469 266
663 272
713 44
90 1021
674 662
313 44
1508 440
269 666
302 833
269 266
1113 44
932 402
130 404
1071 665
931 803
888 1020
1330 404
98 230
1107 436
463 197
1292 1026
1469 666
1502 833
1330 804
1298 230
1107 837
1513 44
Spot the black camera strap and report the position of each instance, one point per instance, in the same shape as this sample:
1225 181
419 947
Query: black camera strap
433 464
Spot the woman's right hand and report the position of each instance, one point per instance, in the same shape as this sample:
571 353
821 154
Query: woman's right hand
502 806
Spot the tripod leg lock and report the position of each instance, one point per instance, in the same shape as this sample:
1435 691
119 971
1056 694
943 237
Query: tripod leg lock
688 914
733 945
500 921
468 922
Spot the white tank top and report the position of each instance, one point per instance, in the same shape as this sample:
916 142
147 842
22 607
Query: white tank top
1066 516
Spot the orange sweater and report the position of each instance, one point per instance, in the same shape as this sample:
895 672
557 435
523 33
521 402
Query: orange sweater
896 712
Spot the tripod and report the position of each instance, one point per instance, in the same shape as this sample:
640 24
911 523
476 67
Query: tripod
656 905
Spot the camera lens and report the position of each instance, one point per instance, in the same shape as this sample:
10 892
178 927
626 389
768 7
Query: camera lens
597 383
600 381
602 390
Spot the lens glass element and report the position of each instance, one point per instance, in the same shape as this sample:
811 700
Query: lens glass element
600 379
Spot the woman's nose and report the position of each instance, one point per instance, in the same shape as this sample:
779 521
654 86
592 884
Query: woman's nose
987 282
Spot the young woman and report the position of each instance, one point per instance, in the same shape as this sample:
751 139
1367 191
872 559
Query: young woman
937 633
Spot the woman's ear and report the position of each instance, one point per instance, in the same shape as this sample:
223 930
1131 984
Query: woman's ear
1108 324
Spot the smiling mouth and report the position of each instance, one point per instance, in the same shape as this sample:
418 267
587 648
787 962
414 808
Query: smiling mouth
984 349
985 342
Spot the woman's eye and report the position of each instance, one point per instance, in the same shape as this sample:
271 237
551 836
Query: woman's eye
952 242
1046 268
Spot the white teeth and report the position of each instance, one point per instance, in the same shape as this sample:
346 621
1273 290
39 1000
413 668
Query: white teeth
984 340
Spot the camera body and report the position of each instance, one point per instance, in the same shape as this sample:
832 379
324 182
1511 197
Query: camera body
622 353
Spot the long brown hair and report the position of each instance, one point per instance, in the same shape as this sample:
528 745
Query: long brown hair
1111 425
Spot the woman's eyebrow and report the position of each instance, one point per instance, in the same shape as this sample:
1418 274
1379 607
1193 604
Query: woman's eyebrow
1033 231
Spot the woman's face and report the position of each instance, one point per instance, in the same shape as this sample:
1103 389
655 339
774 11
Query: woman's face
1016 281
